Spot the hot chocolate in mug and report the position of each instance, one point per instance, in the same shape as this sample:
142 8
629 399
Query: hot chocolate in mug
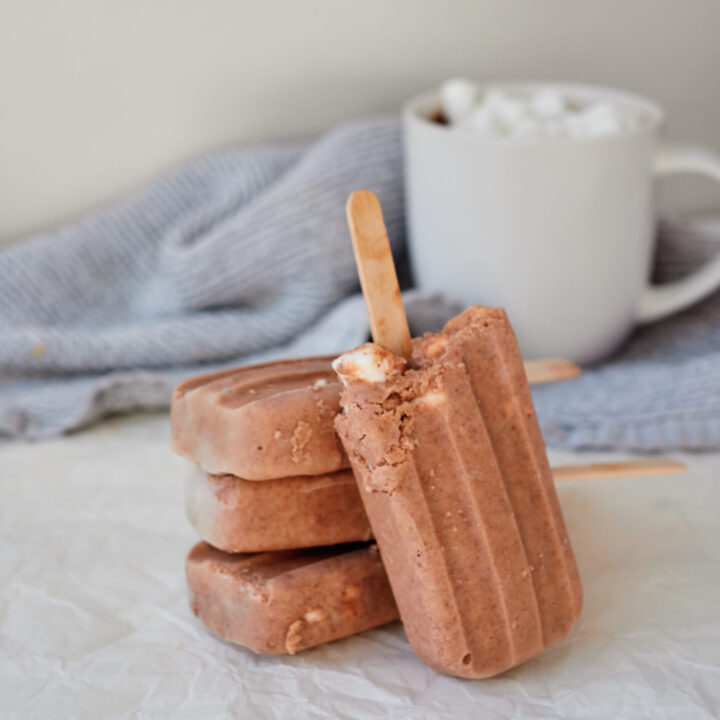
558 230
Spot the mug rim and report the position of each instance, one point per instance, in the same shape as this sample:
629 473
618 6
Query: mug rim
418 108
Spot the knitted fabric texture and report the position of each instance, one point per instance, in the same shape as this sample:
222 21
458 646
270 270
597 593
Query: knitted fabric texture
243 256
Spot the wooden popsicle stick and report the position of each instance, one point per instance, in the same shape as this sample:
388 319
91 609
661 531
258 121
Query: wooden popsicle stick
541 371
376 269
630 468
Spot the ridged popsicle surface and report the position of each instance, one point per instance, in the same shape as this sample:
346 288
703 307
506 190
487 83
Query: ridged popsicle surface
453 474
261 422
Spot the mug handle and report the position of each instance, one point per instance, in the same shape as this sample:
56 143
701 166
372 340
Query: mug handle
659 301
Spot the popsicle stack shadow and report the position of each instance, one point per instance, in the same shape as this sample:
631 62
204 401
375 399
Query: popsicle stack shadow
448 473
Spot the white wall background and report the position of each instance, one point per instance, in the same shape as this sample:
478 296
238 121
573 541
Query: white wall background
96 96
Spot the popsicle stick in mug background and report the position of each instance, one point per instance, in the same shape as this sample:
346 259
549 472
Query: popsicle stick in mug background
376 269
630 468
379 283
542 371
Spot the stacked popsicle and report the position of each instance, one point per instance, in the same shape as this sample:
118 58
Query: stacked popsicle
449 474
285 564
286 561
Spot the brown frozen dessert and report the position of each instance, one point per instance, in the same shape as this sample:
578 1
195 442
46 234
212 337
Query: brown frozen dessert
260 422
238 515
284 602
452 470
276 420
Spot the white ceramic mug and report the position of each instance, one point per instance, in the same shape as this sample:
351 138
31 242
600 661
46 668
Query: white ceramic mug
559 231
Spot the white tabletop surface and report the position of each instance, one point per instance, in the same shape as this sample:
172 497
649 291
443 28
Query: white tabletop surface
94 620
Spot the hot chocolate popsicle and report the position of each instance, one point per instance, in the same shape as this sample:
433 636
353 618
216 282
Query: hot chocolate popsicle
237 515
452 471
284 602
260 422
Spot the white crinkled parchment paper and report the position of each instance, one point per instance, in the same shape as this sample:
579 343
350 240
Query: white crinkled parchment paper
94 621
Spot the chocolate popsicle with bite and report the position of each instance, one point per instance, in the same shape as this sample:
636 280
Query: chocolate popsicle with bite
452 471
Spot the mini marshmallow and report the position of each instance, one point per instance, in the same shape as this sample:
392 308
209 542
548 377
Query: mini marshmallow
457 98
547 104
601 119
507 113
369 363
512 114
481 121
